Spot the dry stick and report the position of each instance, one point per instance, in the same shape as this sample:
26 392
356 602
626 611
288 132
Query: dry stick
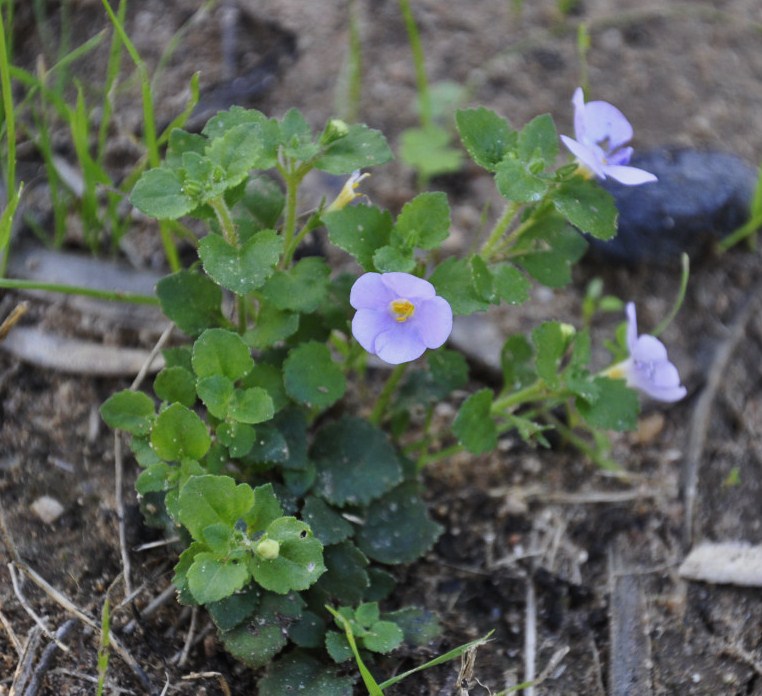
530 637
112 688
189 638
119 465
25 664
5 535
28 609
210 675
155 604
47 657
700 421
196 640
72 608
17 644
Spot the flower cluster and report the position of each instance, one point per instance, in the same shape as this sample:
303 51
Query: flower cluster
398 316
602 132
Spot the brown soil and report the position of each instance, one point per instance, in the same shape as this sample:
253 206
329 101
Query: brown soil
595 555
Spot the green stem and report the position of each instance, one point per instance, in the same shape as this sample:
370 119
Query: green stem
10 132
313 223
426 459
112 295
533 392
582 445
225 219
289 225
664 323
386 393
422 83
500 228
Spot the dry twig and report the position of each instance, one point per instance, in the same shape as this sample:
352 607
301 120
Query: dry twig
43 665
25 665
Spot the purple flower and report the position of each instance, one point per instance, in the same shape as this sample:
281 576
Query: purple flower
602 133
648 368
398 316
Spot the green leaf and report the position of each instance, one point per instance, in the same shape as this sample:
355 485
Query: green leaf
223 121
241 270
300 289
397 527
382 584
270 446
360 148
242 148
234 610
270 378
486 136
216 392
360 230
355 462
419 626
176 384
516 362
383 637
345 579
550 344
309 631
516 183
221 352
191 300
298 672
454 280
616 407
296 136
474 426
180 142
251 406
538 140
424 222
237 437
390 258
179 433
429 151
180 578
326 523
160 194
337 646
272 327
265 509
129 410
255 642
449 370
588 207
178 356
299 562
262 202
211 579
549 249
510 284
154 478
311 377
210 500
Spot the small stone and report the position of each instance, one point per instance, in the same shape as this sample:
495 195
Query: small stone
47 509
700 198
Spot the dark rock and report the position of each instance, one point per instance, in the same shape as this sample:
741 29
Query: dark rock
700 198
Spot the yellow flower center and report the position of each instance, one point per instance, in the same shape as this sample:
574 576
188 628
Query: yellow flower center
402 309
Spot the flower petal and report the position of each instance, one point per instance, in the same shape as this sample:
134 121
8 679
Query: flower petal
632 326
367 324
630 176
578 100
605 123
399 344
587 156
370 292
433 321
408 286
648 349
621 156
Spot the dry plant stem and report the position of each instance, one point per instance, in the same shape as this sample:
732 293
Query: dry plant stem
189 638
73 609
112 688
119 466
12 319
17 645
700 420
25 665
35 684
153 606
7 539
28 609
197 639
193 676
530 638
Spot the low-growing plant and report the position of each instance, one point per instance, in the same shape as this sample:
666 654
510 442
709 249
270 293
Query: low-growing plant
270 441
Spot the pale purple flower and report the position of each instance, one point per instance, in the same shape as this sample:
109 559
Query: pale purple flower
602 132
398 316
648 368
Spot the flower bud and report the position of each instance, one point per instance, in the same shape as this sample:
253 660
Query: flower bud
335 129
267 549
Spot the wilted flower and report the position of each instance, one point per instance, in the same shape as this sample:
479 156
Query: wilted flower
398 316
348 192
602 132
648 368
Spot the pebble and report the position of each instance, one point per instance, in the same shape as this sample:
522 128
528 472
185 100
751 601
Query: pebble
700 198
47 509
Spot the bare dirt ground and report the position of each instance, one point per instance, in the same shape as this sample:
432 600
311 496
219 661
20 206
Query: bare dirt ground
538 543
